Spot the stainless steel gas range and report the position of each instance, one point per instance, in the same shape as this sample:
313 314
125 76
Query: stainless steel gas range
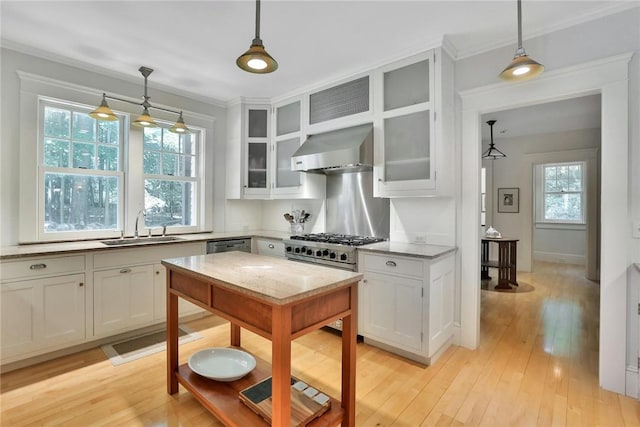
333 250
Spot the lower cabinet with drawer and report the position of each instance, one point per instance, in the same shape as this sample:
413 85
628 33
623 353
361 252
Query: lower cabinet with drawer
42 309
406 304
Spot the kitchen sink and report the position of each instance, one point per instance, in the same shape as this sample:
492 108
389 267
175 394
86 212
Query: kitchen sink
139 241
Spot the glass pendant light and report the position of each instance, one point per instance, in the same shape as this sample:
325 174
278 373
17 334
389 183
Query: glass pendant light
492 152
180 127
103 112
522 67
256 59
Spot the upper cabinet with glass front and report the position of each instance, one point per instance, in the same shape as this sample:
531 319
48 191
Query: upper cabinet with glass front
413 126
287 137
262 139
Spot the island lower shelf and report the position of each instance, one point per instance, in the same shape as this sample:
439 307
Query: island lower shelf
221 398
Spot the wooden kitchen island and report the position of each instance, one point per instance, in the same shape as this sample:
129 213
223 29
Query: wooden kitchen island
275 298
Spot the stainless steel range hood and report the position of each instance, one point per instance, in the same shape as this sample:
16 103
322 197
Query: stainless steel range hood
342 150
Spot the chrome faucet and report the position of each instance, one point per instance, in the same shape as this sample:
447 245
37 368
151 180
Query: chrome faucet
135 234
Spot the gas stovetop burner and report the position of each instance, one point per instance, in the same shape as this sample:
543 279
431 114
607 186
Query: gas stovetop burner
340 239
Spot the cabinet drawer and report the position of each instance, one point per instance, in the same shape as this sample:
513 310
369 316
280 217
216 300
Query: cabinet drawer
271 248
39 267
393 265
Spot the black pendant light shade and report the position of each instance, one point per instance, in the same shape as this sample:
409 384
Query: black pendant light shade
492 152
256 59
522 67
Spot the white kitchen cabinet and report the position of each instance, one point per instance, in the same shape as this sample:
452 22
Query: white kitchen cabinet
270 247
185 308
406 304
392 304
40 315
123 299
261 140
413 132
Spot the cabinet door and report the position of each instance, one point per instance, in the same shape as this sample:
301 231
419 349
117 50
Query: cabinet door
273 248
123 298
185 308
393 310
287 139
42 313
405 137
256 180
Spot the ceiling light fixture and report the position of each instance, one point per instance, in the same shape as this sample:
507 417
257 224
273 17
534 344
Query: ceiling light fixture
104 112
492 152
256 59
522 67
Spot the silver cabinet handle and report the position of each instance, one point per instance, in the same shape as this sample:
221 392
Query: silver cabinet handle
37 266
271 246
364 281
125 270
391 263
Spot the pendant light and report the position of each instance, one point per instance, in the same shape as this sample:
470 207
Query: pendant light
256 59
104 112
522 67
492 152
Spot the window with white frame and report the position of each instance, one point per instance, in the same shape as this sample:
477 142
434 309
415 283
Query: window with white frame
84 181
171 175
563 192
81 172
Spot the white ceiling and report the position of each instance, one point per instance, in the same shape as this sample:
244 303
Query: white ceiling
559 116
193 45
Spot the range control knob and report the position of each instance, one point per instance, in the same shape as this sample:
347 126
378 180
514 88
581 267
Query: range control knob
325 252
332 255
309 252
304 249
297 250
288 248
318 253
343 257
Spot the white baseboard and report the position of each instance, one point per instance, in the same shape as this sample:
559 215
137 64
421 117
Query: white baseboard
631 382
559 258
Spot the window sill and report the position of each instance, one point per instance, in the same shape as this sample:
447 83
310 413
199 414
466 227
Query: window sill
560 226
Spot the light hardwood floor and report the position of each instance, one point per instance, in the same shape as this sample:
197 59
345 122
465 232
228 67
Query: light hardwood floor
536 365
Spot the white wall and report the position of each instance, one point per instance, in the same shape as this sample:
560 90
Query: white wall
423 220
515 171
243 215
13 61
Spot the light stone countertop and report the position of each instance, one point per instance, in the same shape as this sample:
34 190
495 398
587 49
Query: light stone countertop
59 248
273 279
408 249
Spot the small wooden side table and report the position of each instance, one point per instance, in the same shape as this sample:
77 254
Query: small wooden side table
506 264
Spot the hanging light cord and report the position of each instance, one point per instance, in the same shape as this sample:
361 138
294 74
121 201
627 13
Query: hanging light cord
258 19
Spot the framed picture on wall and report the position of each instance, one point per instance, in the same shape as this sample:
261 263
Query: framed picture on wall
509 200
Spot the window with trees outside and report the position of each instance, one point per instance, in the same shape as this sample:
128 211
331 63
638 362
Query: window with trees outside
81 165
86 175
563 192
170 177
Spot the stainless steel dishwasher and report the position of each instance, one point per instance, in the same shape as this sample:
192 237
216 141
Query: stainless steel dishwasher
215 246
